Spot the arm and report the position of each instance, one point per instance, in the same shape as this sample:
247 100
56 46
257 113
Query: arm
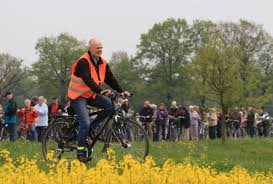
35 114
12 109
83 71
43 111
111 80
20 113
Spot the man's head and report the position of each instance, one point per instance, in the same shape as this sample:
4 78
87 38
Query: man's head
191 108
161 106
95 47
8 96
41 100
250 109
55 100
146 103
174 104
34 100
27 103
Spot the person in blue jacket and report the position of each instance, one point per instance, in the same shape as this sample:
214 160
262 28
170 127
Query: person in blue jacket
9 109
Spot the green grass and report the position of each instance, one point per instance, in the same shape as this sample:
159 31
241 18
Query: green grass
253 154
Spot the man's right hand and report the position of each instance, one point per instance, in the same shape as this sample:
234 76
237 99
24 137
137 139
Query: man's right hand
126 93
106 92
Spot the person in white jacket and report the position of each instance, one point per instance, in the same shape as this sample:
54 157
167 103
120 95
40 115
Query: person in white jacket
42 122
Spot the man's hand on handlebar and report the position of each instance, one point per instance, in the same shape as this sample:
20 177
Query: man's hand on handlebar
106 92
126 93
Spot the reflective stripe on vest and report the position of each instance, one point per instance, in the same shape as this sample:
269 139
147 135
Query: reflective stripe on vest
77 86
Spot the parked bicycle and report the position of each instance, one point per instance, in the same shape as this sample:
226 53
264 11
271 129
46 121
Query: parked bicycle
122 134
174 128
203 131
3 130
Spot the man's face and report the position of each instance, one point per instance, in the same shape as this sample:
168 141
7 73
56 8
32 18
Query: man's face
146 104
173 104
9 97
96 48
27 103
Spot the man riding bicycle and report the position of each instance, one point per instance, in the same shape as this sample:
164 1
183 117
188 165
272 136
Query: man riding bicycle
89 73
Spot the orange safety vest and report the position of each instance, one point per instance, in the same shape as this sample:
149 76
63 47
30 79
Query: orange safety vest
77 86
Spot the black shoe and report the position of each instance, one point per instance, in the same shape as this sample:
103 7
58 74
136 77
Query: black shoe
82 156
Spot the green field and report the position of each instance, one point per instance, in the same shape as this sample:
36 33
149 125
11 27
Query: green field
253 154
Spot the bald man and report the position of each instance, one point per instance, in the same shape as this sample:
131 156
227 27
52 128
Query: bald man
88 74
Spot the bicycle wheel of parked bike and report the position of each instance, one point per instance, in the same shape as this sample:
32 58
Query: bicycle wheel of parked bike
60 140
4 133
128 137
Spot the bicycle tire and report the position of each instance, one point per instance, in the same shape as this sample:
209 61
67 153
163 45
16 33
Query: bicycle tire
138 133
58 137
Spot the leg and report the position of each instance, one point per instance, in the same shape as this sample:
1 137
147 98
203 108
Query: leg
186 134
79 106
158 129
168 128
212 132
164 131
195 132
40 132
150 129
32 133
265 128
12 131
102 102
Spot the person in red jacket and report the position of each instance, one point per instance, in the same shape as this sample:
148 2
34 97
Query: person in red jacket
29 116
55 108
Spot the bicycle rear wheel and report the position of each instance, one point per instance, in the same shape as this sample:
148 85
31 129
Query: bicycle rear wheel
60 141
128 137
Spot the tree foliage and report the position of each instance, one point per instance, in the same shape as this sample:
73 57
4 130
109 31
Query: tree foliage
12 72
53 69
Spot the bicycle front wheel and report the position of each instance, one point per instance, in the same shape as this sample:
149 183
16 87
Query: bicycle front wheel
128 137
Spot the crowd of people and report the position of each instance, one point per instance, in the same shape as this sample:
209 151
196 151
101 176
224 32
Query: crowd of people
33 117
159 121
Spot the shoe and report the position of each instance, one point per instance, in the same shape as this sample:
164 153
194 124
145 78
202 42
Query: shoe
81 155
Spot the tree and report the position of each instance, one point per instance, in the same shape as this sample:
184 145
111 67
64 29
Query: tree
164 49
251 38
53 69
12 72
220 66
128 76
202 32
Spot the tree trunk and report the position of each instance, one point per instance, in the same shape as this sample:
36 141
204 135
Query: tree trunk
223 122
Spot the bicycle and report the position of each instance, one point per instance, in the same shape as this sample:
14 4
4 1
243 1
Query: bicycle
240 131
116 131
3 130
174 129
142 120
203 131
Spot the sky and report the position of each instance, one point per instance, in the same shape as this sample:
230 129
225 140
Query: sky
118 23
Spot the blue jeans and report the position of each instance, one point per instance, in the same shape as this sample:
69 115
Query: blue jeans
32 133
79 106
12 131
